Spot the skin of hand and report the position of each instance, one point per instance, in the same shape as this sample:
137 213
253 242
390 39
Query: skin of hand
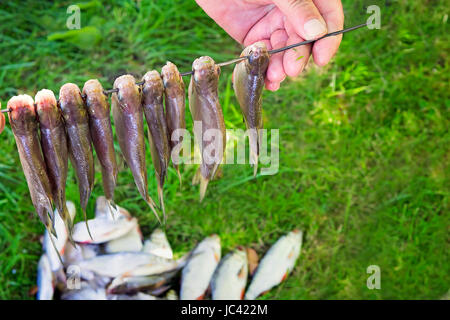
280 23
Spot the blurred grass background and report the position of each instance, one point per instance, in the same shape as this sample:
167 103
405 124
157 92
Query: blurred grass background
364 143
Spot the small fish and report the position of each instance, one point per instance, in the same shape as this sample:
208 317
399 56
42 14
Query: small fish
205 108
55 150
175 101
252 258
132 241
53 246
276 264
102 135
152 102
45 279
129 122
116 264
122 285
86 292
199 269
2 120
158 245
24 127
80 148
136 296
248 83
157 265
230 277
103 230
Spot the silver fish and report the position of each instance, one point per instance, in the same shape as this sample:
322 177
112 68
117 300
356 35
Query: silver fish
230 277
134 284
117 264
276 264
158 245
103 230
197 273
132 241
45 279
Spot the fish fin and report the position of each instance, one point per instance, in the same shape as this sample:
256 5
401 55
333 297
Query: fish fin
200 297
243 294
241 273
161 202
255 163
213 174
54 245
151 204
179 176
203 186
112 206
87 224
196 177
284 277
69 227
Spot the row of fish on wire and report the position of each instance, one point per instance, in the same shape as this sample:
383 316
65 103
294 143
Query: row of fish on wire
49 132
119 265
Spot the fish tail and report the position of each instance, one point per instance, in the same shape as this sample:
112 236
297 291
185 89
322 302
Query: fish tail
52 232
214 171
203 186
196 177
151 204
68 223
87 224
112 206
255 163
254 151
177 168
161 201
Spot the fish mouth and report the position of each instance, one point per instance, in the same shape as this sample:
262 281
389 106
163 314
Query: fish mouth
204 68
21 104
45 99
257 51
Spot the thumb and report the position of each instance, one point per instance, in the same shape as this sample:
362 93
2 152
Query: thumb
304 16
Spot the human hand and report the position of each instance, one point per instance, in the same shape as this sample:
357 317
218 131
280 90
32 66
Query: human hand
280 23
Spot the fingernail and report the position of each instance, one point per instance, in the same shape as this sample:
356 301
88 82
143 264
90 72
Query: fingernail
314 28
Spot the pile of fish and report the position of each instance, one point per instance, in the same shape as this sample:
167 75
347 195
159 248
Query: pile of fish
49 132
116 264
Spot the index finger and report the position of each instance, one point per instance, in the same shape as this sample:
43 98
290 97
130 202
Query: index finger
333 14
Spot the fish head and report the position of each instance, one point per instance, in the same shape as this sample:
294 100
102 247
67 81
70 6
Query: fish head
47 109
241 254
173 82
129 95
206 72
72 104
258 57
23 114
153 87
213 243
96 101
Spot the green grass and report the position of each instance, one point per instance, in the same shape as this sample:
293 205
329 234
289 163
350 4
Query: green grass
364 144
